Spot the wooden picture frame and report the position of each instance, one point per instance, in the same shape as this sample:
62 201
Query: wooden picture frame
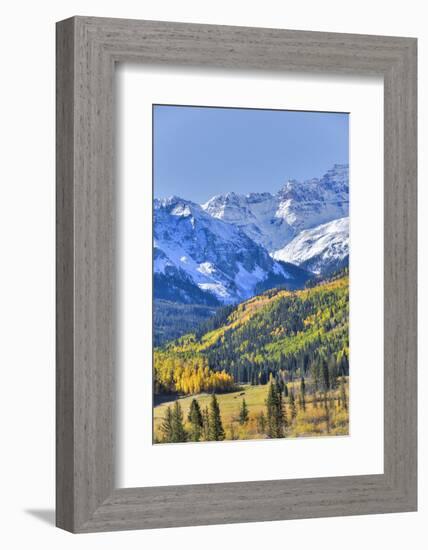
87 50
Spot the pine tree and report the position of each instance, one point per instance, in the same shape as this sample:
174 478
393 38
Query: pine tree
178 432
315 373
216 432
303 393
243 413
270 411
166 426
303 386
274 413
195 419
343 364
327 412
343 394
333 372
325 375
280 411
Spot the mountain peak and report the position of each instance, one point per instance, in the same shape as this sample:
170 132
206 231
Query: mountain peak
177 206
170 201
274 220
338 174
198 254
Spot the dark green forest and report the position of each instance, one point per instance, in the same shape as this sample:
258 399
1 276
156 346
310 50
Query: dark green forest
172 320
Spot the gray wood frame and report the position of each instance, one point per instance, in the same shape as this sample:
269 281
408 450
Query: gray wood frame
87 50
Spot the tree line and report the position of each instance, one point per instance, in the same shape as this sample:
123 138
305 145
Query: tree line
281 408
175 374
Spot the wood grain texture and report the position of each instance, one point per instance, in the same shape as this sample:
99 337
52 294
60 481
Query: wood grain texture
87 50
64 276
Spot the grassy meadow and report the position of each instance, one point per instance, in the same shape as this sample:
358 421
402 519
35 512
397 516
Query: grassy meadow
323 414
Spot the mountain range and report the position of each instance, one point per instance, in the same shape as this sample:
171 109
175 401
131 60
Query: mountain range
273 220
235 246
201 259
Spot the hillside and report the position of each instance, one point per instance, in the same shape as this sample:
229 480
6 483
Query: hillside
172 320
298 333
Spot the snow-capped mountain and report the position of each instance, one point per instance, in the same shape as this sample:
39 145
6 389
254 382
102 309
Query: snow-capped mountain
321 249
202 259
235 246
273 220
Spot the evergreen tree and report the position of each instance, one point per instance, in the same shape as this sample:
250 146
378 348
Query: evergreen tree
270 411
327 412
195 419
216 432
325 375
253 377
343 364
303 393
280 411
166 426
243 413
315 374
263 378
274 413
178 432
333 372
343 397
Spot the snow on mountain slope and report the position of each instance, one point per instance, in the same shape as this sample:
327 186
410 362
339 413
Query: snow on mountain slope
201 259
234 245
275 220
320 249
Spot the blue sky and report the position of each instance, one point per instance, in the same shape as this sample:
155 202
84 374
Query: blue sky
200 152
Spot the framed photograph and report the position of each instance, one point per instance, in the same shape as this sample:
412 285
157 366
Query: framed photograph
236 274
251 293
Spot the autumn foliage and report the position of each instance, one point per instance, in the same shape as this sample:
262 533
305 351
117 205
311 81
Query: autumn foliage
188 376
